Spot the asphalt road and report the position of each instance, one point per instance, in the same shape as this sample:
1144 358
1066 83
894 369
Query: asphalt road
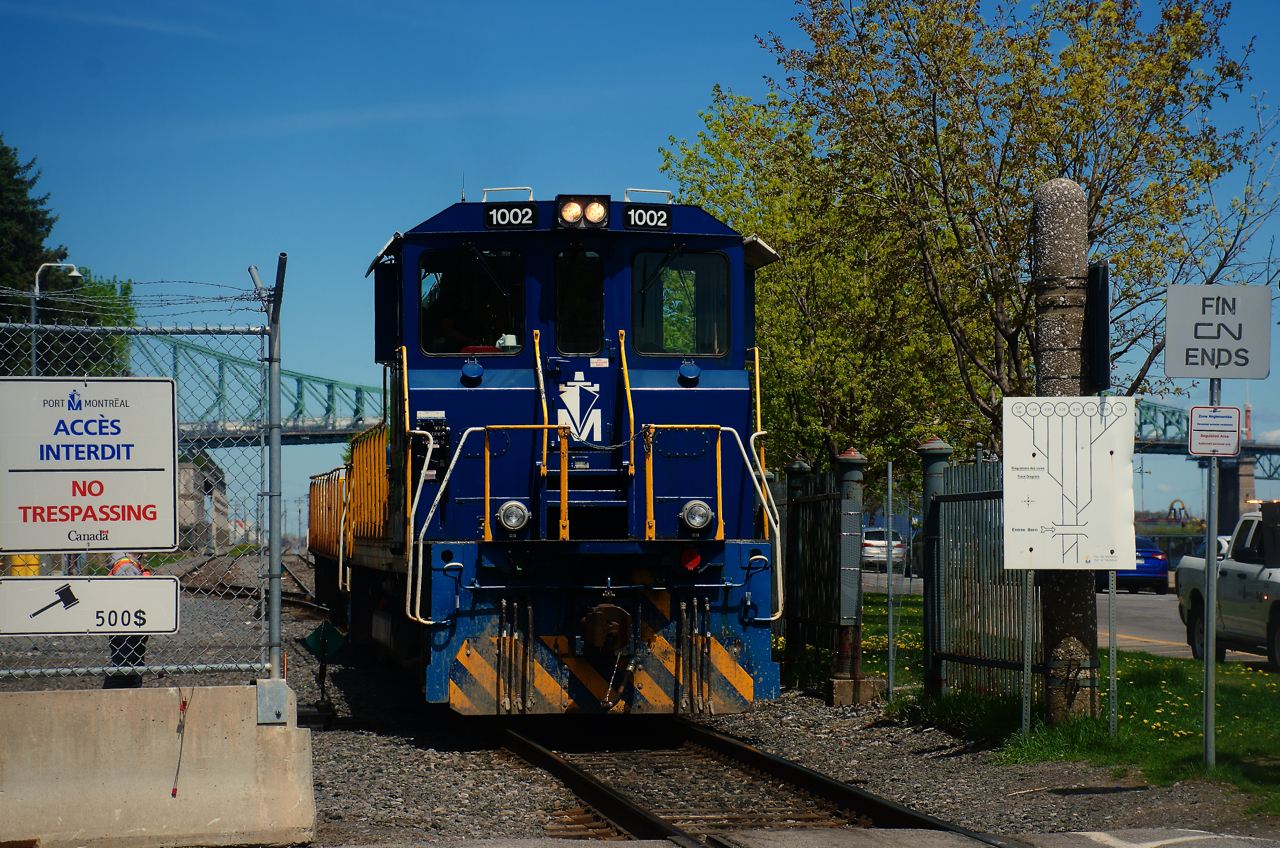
1144 621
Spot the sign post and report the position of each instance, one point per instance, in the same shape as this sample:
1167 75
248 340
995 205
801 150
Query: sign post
88 464
1213 332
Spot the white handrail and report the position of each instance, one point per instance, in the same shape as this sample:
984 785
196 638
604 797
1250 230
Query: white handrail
417 598
777 559
416 615
755 452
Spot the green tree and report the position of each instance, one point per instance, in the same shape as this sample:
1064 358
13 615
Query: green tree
26 223
938 124
850 356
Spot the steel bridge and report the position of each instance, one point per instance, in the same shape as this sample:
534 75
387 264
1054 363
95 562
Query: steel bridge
1164 429
323 411
222 398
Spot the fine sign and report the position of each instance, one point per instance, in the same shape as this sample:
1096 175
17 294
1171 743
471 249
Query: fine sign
1215 431
1218 332
63 606
88 464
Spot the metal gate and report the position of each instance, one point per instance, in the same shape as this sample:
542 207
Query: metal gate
221 561
981 606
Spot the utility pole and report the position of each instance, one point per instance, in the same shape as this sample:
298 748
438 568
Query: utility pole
1059 274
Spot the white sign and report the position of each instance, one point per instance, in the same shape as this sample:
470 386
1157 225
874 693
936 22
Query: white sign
1068 483
1217 332
64 606
1215 431
88 464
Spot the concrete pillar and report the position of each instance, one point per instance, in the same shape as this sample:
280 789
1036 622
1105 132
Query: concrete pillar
849 647
934 454
1060 274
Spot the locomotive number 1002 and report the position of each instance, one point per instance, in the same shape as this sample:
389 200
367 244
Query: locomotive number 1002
510 216
646 216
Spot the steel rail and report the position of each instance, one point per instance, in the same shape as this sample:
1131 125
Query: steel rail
608 802
882 812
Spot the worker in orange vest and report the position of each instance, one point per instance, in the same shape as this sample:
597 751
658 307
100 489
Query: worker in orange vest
126 651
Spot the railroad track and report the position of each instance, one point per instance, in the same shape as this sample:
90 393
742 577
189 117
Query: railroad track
697 785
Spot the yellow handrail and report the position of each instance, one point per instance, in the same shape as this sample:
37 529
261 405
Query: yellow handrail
542 392
562 432
650 529
756 374
408 455
719 511
631 412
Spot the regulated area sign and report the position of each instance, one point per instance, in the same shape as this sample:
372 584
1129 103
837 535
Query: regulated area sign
1215 431
64 606
88 464
1218 332
1068 483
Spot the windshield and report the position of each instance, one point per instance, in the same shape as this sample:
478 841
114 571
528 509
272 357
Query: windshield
579 302
680 303
471 301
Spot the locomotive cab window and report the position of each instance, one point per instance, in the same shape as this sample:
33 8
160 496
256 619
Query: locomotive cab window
579 302
471 301
680 303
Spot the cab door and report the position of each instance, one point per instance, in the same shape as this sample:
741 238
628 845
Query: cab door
582 385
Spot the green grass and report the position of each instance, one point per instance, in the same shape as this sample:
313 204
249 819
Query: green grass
813 668
1160 706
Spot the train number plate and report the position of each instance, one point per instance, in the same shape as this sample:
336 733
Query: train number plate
510 216
646 216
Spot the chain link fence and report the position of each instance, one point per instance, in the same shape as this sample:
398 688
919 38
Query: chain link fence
221 561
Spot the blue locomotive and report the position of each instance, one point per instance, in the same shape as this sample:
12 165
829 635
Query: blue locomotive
562 511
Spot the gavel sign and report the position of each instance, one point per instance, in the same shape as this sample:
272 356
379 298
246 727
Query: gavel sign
66 597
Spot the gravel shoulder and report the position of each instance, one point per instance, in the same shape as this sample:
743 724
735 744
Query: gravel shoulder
935 773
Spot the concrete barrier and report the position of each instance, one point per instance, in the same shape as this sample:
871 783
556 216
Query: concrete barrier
97 768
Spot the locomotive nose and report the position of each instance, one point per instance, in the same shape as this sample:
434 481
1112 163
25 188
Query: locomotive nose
606 628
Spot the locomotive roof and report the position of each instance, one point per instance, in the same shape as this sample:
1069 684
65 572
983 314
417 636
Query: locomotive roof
469 217
685 221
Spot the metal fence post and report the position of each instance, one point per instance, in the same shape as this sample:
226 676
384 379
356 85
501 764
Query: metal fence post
274 481
849 653
933 454
796 471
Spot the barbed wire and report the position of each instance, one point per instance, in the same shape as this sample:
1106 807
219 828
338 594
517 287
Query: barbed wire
77 304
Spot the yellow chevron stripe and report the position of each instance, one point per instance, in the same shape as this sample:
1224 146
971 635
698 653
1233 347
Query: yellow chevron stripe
661 648
660 600
479 667
651 692
586 673
733 673
460 702
547 685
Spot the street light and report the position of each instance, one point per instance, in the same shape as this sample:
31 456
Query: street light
35 294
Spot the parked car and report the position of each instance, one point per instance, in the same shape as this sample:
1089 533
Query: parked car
1152 571
875 552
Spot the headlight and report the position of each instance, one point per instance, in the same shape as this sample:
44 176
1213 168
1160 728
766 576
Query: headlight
696 515
596 212
571 212
513 515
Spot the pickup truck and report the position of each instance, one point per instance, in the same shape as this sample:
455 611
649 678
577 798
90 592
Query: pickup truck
1248 608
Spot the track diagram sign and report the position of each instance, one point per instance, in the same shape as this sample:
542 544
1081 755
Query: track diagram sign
1068 483
88 464
1215 431
66 606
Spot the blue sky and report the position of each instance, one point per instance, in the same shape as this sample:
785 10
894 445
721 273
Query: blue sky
188 141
